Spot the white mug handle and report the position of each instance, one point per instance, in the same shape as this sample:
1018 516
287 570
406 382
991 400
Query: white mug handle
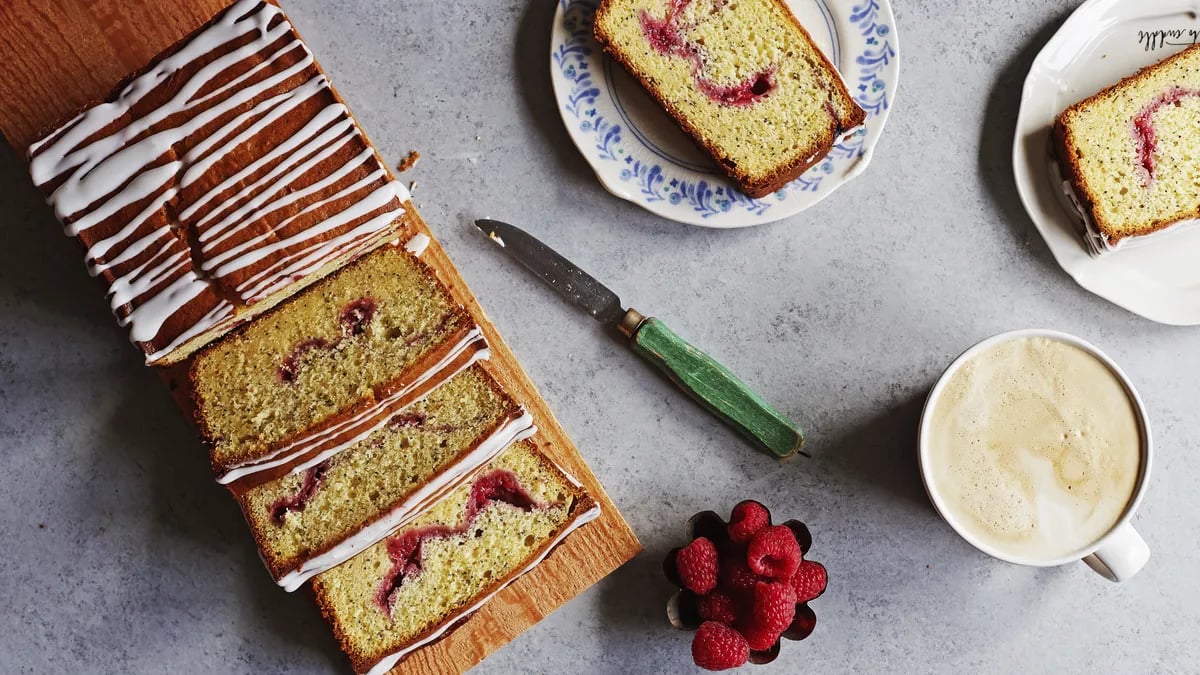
1122 556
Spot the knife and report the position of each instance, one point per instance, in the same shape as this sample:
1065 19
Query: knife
695 372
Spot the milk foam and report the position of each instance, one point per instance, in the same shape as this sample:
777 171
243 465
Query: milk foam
1034 446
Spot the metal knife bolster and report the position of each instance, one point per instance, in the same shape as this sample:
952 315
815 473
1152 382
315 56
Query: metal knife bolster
630 323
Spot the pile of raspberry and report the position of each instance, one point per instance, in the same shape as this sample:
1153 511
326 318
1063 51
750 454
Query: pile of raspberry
747 585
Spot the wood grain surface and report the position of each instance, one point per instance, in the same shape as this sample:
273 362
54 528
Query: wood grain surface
57 56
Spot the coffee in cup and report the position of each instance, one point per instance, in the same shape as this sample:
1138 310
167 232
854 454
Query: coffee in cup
1033 447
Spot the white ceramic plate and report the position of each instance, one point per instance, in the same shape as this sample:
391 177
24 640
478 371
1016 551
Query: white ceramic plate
1102 42
640 154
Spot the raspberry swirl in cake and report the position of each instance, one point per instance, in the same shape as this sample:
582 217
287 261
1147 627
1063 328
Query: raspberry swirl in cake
328 367
216 182
667 36
296 502
432 488
405 549
355 318
1144 133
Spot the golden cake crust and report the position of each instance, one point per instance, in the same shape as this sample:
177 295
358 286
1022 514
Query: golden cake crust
782 174
1067 154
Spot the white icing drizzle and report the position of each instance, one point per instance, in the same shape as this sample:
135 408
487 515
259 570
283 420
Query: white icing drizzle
388 662
153 311
104 164
215 234
424 497
215 316
1097 243
104 173
319 133
286 269
417 245
377 416
377 199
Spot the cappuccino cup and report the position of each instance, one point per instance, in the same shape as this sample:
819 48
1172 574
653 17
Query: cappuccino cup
1035 447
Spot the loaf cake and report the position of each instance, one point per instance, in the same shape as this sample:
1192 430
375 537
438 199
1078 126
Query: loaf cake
1129 155
271 270
309 377
742 77
314 517
218 181
407 590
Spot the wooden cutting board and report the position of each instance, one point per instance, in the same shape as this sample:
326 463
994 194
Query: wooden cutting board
59 55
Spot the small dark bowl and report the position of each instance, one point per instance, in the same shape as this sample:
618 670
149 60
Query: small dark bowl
682 608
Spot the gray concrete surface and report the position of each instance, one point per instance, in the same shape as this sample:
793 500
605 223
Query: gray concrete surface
121 555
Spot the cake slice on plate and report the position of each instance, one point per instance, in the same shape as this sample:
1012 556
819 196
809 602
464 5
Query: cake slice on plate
742 77
215 183
313 517
409 589
329 366
1130 155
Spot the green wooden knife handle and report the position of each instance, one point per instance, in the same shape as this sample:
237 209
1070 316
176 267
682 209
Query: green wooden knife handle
717 388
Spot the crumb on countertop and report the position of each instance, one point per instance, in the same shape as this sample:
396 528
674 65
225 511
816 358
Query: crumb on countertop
409 161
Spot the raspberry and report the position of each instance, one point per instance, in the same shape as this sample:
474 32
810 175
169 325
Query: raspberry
719 647
758 638
774 606
809 581
719 607
774 553
697 566
736 575
747 519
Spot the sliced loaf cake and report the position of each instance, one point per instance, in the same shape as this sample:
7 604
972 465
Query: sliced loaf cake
317 515
268 265
329 366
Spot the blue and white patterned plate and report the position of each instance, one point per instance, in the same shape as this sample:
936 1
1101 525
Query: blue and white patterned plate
640 154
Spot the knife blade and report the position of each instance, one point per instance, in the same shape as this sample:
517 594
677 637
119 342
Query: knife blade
697 373
572 283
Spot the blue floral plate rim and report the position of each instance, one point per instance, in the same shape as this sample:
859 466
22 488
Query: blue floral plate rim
862 44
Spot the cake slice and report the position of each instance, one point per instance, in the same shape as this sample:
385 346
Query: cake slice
742 77
1130 155
318 515
329 366
224 177
409 589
